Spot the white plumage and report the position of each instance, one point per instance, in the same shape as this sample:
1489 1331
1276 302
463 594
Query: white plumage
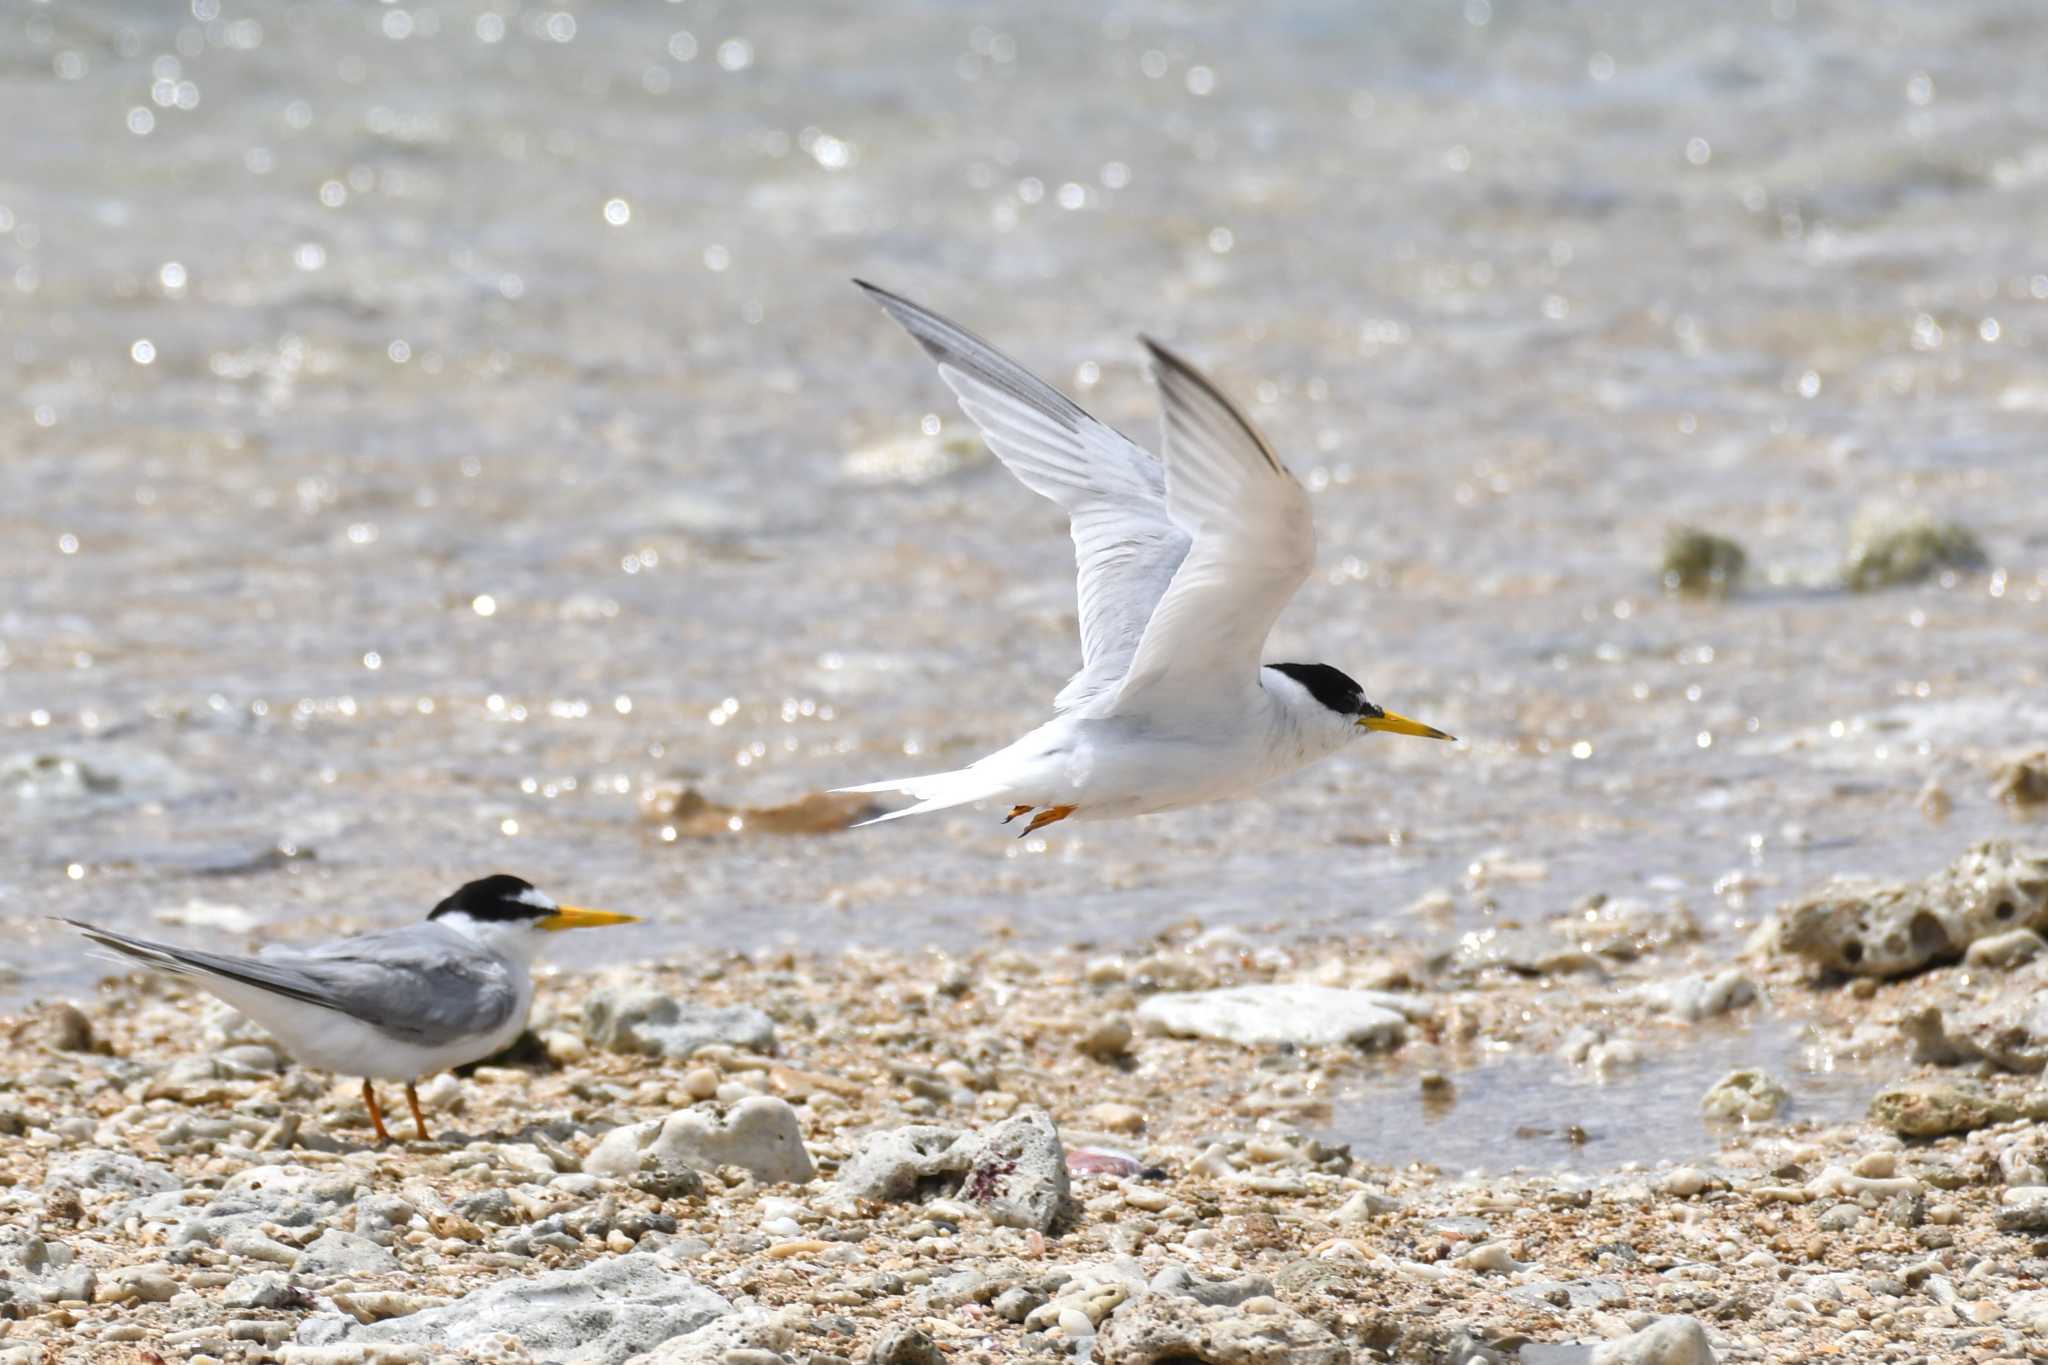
1182 567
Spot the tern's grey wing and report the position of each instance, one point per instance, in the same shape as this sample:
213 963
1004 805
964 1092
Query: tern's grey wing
1126 546
1254 545
425 984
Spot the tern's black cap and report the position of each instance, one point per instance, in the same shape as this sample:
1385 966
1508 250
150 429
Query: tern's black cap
501 897
1332 687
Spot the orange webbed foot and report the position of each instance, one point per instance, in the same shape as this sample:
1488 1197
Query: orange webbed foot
1050 815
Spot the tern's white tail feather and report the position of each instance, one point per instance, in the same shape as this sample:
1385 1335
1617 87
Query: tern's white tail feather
936 791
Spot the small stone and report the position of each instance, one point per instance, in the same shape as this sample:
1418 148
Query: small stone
903 1344
1684 1181
266 1289
1840 1218
1701 563
1667 1341
1107 1040
1017 1303
564 1048
2023 1209
150 1283
1117 1118
664 1180
64 1027
702 1082
1877 1165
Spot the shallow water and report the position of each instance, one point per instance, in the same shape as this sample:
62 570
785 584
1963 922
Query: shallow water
1539 1113
455 420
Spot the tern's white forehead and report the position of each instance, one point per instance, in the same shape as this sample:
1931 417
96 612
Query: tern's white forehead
536 898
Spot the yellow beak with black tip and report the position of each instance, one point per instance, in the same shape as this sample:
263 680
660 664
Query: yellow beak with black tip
1389 723
576 917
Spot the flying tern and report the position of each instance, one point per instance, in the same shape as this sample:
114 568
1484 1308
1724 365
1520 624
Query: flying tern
1184 563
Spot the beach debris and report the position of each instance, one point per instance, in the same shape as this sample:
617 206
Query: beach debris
656 1024
1870 928
1701 563
1889 546
760 1134
1750 1095
684 812
1282 1015
2022 780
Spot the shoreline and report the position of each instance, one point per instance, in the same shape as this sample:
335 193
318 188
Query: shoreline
192 1194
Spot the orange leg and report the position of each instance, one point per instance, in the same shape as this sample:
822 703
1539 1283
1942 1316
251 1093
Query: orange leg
1015 811
1046 817
376 1114
412 1097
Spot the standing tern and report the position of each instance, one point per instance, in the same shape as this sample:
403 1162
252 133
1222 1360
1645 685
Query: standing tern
391 1006
1183 565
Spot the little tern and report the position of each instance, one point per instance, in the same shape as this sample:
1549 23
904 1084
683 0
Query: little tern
392 1006
1184 563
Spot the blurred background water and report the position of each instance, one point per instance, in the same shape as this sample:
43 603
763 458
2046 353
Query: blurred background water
425 427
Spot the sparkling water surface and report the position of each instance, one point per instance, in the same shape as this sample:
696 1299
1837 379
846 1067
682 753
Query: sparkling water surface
427 426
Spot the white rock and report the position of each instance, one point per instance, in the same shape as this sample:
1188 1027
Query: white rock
1667 1341
1272 1015
760 1134
603 1313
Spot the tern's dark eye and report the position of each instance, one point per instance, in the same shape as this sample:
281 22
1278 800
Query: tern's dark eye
1370 711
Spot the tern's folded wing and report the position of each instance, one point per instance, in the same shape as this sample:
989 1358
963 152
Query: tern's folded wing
424 984
1254 545
1126 547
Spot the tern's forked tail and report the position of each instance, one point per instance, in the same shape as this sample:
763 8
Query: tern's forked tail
934 791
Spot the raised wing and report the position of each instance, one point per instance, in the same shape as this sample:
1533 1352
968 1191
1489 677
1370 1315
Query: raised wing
1126 546
425 984
1254 545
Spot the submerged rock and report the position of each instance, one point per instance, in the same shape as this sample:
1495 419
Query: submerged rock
1749 1095
1016 1170
2022 781
691 814
1700 562
656 1025
605 1312
1300 1015
1888 547
1667 1341
1890 928
759 1134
